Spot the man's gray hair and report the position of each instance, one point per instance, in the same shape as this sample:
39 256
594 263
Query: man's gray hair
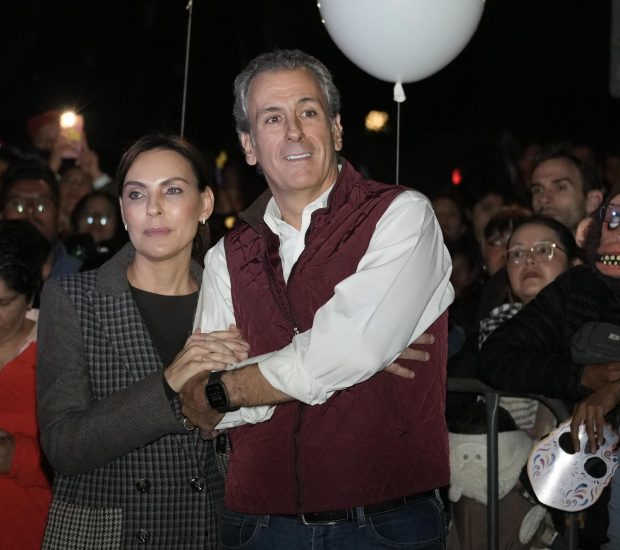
282 60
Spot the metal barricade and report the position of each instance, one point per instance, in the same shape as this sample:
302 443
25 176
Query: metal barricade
561 412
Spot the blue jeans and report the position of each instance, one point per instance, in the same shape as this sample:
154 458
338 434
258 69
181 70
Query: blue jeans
417 525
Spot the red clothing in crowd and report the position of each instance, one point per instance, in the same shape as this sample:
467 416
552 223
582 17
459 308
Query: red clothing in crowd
25 492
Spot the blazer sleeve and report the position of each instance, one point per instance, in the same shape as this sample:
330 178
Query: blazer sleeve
79 433
529 353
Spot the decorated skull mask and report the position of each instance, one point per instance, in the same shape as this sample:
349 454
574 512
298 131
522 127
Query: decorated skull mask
567 480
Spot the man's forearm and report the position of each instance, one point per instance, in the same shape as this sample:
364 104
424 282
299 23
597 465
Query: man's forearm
247 387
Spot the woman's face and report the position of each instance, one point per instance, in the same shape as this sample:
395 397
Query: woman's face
13 308
162 206
98 219
74 184
534 271
449 217
493 251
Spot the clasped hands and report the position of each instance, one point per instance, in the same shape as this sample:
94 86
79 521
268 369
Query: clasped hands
214 351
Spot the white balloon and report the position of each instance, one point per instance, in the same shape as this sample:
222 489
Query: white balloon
401 40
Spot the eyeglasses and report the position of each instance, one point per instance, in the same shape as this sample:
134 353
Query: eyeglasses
541 252
100 220
20 205
610 215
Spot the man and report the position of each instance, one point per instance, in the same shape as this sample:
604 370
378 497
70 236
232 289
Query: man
30 192
564 188
330 276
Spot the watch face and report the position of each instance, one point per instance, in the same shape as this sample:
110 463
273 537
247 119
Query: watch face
216 396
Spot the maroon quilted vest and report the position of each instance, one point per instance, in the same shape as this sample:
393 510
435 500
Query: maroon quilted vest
378 440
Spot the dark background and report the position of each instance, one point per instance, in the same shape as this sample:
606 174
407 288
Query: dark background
535 69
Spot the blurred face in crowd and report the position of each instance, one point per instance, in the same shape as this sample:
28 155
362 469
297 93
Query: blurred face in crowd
483 211
162 206
557 192
450 218
293 139
74 184
46 136
534 258
608 251
32 200
98 219
493 251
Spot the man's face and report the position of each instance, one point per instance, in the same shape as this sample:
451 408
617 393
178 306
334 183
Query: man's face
292 137
32 200
608 251
557 192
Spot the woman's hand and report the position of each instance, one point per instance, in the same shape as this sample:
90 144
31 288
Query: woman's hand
591 412
7 449
206 351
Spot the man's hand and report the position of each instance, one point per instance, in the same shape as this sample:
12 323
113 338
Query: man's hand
591 412
597 376
412 354
206 351
195 408
7 449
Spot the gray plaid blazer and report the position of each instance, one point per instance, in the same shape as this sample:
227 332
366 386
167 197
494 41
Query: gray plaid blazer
127 474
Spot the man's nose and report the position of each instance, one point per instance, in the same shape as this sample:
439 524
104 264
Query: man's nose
294 131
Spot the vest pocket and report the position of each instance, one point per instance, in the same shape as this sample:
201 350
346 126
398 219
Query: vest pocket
73 527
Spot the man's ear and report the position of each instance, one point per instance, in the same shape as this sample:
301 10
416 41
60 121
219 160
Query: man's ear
594 199
337 132
248 148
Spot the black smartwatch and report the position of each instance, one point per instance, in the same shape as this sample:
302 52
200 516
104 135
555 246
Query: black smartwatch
216 393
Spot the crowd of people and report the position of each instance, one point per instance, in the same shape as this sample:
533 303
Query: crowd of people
279 381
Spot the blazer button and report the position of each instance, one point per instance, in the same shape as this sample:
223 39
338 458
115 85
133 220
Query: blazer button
197 484
143 535
143 485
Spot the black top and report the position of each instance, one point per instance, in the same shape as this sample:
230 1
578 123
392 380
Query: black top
169 320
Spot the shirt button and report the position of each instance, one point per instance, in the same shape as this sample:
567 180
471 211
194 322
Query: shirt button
143 535
143 485
197 484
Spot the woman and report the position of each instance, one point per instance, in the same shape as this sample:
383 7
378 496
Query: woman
114 350
24 486
533 351
538 250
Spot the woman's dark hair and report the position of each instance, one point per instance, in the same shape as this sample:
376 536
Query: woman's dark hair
179 145
506 218
564 235
23 251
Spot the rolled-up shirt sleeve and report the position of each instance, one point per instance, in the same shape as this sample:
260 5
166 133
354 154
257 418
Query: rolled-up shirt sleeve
401 286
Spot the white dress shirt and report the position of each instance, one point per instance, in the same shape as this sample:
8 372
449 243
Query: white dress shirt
401 286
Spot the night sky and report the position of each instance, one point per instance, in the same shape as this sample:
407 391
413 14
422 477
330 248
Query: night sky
535 69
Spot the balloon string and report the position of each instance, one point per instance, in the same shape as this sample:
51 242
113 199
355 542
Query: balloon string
397 142
189 7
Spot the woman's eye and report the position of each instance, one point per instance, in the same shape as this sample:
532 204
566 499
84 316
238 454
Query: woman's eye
310 113
174 190
134 195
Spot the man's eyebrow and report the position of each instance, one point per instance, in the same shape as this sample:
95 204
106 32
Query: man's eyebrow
277 109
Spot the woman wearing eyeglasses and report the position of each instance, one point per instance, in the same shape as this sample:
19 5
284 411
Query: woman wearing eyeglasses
538 250
534 352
